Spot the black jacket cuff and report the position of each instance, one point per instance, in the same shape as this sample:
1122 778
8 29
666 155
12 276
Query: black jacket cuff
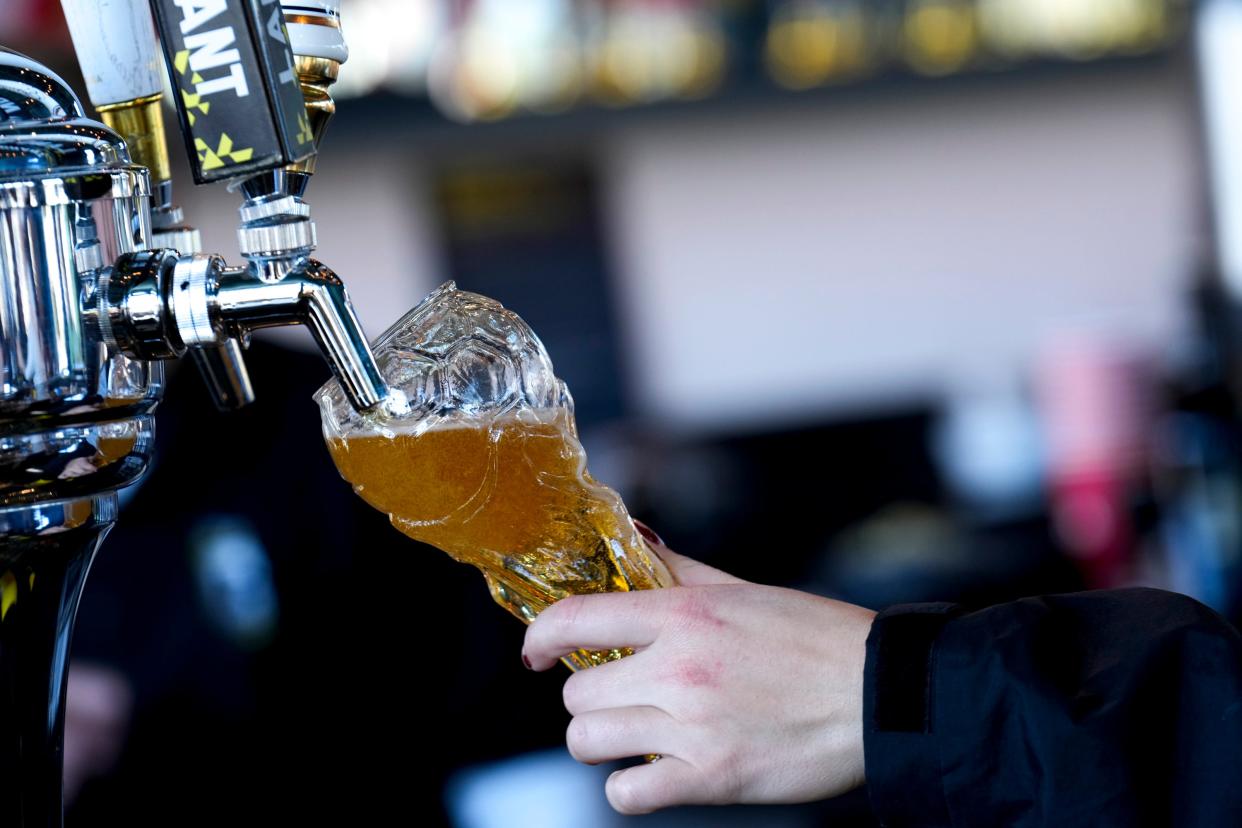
899 732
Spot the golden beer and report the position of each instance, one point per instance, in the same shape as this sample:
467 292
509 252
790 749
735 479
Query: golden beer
511 496
474 450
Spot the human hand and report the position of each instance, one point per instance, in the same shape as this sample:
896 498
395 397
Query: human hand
77 467
748 693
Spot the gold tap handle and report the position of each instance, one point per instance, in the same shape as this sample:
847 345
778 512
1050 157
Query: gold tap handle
141 123
319 49
116 47
315 75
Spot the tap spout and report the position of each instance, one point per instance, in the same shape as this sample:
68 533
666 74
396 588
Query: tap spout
309 294
156 304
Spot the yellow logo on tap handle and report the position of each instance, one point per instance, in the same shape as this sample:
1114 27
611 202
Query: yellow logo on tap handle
192 100
214 158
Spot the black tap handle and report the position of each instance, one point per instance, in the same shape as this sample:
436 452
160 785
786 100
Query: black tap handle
237 95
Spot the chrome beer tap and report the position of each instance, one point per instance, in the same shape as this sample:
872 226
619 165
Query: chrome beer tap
124 86
95 295
165 302
75 416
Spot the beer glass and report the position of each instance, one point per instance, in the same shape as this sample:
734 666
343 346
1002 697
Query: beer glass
476 452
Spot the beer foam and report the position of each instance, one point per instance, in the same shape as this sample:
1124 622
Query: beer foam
390 427
395 403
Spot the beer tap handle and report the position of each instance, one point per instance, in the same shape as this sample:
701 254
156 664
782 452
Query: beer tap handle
237 95
115 44
242 102
116 48
118 52
319 49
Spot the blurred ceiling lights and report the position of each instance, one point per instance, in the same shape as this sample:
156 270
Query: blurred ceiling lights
488 59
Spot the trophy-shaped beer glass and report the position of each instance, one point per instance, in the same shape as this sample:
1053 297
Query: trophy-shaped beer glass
476 452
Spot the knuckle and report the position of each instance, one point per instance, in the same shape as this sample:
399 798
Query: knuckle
690 603
694 611
552 627
624 795
692 714
571 694
696 672
577 737
566 612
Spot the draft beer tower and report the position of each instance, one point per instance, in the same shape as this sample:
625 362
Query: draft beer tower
101 281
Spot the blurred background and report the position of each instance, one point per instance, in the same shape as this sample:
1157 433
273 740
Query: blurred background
891 300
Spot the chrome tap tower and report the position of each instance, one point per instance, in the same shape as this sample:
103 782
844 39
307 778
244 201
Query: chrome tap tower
90 307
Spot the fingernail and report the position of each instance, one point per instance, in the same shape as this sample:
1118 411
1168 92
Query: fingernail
648 533
526 661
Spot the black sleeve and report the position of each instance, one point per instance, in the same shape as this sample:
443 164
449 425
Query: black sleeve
1118 708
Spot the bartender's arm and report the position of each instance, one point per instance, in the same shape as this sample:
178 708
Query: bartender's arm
1102 709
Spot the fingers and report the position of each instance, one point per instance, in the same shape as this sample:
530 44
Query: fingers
613 620
620 733
624 683
593 622
690 572
654 785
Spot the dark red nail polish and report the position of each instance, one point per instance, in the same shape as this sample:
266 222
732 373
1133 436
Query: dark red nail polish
648 533
526 661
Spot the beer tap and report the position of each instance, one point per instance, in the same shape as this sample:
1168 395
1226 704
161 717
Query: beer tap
99 286
120 58
251 111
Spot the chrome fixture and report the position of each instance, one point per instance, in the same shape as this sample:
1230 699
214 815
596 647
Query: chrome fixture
98 287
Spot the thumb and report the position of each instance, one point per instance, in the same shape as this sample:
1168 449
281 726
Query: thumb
687 571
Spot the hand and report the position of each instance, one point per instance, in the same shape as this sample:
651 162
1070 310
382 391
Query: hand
749 693
77 467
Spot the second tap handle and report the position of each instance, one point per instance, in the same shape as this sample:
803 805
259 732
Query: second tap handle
116 48
115 44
